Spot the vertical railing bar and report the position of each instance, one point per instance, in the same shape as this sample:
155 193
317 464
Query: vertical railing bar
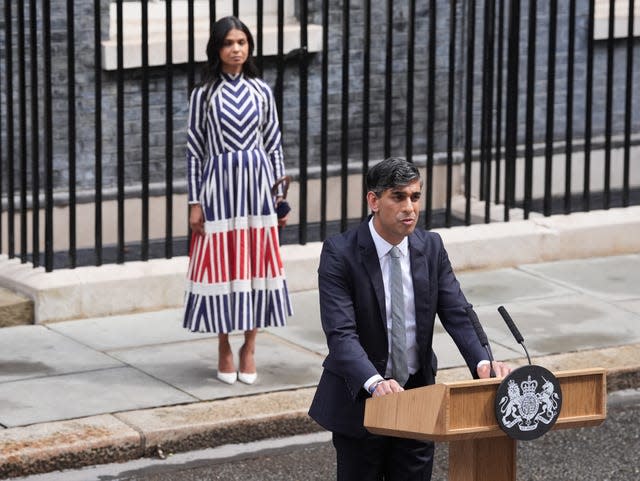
259 35
468 134
431 114
529 112
168 149
483 104
606 198
22 134
450 110
120 132
144 114
551 90
35 137
628 105
499 94
97 18
48 136
71 107
366 96
411 38
236 8
8 22
586 195
303 71
569 126
344 122
324 123
212 13
191 49
388 76
511 114
487 101
279 91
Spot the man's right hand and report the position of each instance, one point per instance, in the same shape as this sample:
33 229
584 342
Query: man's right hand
386 386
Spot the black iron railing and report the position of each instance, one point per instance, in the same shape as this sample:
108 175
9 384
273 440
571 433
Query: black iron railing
497 93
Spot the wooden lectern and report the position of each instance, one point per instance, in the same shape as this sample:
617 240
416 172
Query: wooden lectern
463 414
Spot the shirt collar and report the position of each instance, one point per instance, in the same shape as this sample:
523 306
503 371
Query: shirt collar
382 246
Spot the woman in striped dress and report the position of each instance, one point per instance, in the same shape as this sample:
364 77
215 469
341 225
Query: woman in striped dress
235 279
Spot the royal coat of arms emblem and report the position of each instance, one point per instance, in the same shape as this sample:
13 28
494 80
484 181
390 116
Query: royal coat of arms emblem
528 402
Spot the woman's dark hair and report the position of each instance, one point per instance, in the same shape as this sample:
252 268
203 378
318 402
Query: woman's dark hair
221 28
390 173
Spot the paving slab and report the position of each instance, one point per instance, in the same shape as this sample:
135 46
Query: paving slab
612 278
632 306
71 396
35 351
227 421
304 328
127 330
449 355
506 285
563 324
191 366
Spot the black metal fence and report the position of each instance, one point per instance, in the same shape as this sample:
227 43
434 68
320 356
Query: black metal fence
487 87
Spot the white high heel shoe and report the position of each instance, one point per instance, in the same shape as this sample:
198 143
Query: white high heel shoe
247 378
227 377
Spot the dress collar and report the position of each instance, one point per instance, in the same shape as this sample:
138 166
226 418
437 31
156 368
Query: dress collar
231 77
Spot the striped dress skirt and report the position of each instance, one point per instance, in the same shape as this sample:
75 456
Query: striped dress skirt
235 278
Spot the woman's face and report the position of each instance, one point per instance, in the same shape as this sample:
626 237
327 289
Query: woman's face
234 51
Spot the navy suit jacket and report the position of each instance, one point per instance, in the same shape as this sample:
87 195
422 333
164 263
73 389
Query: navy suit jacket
352 308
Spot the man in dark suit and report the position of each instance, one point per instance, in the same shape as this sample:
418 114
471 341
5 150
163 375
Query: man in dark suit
356 282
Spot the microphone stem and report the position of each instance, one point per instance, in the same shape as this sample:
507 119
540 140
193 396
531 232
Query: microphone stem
492 373
526 352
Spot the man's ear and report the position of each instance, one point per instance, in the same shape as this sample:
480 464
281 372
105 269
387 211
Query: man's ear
372 200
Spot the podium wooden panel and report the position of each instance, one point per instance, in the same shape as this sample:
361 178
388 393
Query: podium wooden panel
463 414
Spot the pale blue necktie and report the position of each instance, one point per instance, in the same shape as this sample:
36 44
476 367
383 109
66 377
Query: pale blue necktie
399 367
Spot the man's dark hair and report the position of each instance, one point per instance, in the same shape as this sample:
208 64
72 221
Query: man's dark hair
390 173
220 29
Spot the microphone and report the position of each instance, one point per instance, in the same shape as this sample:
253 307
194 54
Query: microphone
482 337
514 330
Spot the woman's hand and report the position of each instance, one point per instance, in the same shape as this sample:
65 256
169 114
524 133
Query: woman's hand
282 221
196 219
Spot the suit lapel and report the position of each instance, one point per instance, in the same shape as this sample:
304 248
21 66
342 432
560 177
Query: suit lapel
420 276
369 257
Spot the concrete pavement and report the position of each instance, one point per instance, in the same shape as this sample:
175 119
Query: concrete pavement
113 388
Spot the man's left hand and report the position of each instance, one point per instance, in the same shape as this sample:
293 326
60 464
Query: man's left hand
500 369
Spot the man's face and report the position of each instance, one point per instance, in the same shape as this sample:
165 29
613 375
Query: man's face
396 211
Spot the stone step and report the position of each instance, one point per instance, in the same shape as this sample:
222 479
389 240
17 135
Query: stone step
15 309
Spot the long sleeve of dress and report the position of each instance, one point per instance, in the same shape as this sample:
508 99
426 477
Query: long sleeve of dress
196 142
272 137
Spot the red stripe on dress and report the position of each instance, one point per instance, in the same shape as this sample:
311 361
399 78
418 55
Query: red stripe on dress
196 273
222 257
269 261
243 254
233 262
206 261
262 257
254 259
